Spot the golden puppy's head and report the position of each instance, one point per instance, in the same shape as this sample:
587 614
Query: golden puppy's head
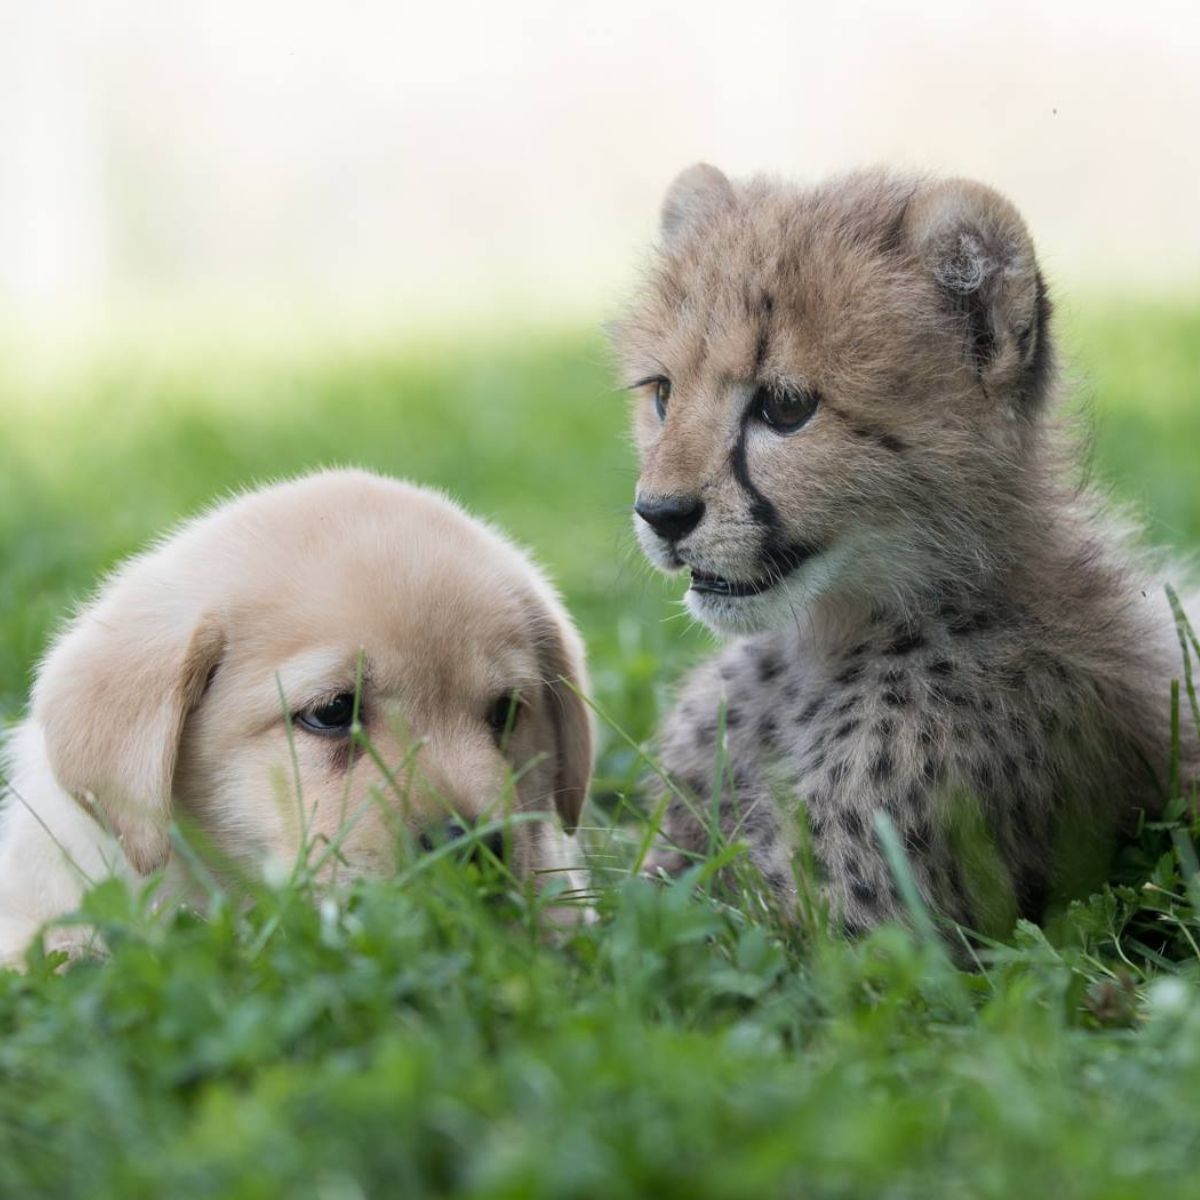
174 690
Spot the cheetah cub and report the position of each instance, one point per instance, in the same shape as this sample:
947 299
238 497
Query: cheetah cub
845 412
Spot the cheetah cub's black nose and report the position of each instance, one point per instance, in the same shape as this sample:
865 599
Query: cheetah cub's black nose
671 517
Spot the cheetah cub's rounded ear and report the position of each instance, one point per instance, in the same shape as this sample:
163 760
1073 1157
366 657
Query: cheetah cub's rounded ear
979 252
697 195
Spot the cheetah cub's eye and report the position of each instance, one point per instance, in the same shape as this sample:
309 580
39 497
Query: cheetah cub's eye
662 393
660 390
784 409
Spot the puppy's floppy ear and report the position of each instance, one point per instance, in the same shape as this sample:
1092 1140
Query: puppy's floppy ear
112 697
697 195
561 657
979 252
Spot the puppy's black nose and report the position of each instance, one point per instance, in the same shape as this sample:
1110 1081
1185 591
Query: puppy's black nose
452 831
671 517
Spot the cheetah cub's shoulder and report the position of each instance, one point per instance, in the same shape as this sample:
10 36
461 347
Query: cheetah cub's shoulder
845 411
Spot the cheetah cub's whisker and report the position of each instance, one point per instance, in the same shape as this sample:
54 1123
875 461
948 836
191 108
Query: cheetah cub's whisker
846 413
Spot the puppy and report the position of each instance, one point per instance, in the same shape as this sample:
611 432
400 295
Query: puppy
213 679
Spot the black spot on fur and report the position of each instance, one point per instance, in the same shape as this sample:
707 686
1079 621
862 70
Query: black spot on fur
864 893
777 881
811 711
845 729
733 717
893 677
941 666
964 625
918 836
850 702
839 771
896 699
906 641
851 821
881 766
849 675
885 727
768 668
768 730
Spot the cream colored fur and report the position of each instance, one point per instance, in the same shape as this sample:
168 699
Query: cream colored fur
162 700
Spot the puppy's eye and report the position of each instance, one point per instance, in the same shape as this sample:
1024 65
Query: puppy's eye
503 715
331 719
785 409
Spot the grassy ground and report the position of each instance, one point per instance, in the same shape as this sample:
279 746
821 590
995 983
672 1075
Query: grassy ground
419 1038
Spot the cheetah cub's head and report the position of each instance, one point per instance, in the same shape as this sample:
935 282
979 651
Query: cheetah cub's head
836 390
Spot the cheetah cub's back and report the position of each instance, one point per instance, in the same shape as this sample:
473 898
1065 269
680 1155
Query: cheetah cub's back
845 409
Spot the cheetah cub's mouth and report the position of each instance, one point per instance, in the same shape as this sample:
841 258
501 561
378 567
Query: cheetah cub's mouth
776 567
718 586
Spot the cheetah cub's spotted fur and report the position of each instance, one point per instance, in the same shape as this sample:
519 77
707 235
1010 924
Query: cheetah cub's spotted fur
845 412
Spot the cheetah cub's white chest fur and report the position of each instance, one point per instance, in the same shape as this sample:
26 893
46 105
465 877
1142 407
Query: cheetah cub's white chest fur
845 409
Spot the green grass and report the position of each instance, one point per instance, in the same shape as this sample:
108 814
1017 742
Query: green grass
420 1038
